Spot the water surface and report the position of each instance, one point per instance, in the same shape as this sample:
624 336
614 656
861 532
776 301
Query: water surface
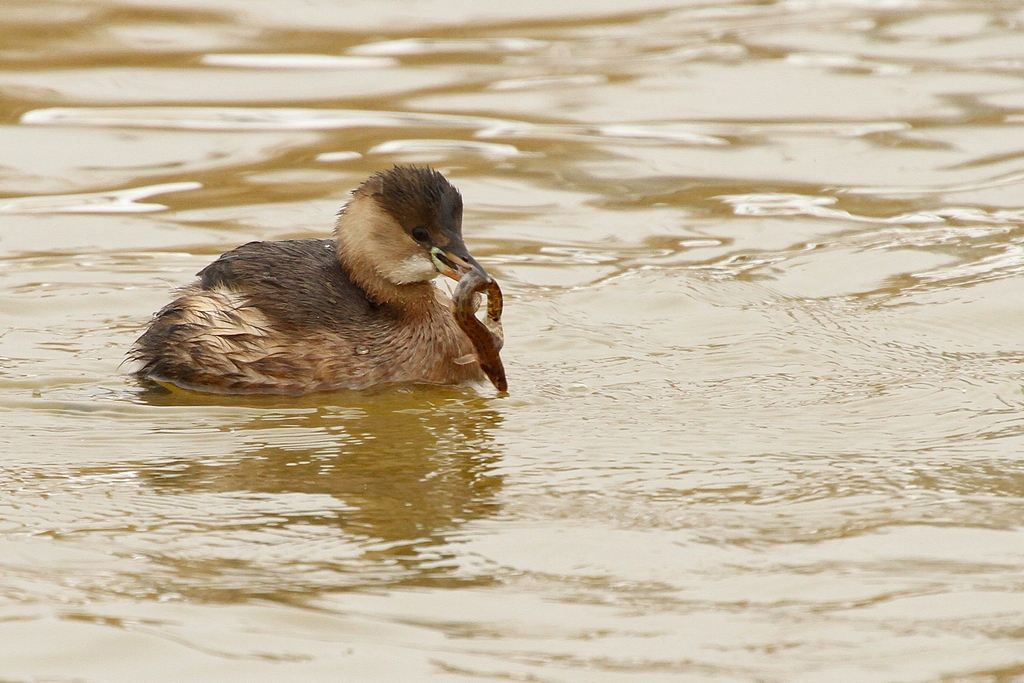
762 266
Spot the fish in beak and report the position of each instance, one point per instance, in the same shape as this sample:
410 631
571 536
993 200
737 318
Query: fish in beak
456 262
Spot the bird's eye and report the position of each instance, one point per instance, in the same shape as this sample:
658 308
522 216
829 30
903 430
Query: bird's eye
420 234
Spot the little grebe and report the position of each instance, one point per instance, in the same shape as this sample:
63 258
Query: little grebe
302 316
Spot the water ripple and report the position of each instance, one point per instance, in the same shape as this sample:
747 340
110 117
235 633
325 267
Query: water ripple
246 118
784 204
118 201
295 61
433 46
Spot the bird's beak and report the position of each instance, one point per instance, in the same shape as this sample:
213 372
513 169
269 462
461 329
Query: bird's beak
455 262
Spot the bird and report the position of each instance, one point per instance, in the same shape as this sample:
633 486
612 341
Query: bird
302 316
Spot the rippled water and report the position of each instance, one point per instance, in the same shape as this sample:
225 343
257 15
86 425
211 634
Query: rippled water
762 266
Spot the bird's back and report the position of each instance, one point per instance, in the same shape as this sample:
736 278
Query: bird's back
297 283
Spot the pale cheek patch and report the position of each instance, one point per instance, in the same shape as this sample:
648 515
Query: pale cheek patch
416 268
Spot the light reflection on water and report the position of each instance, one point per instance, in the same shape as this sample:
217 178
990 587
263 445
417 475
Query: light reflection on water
762 273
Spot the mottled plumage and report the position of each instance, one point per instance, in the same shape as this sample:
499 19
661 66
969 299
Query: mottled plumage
301 316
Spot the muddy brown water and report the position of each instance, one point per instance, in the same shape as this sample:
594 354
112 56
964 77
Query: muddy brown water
763 266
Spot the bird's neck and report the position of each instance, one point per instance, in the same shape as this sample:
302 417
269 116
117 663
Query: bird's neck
362 226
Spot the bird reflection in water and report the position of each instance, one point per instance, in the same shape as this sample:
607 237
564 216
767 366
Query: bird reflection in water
403 470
